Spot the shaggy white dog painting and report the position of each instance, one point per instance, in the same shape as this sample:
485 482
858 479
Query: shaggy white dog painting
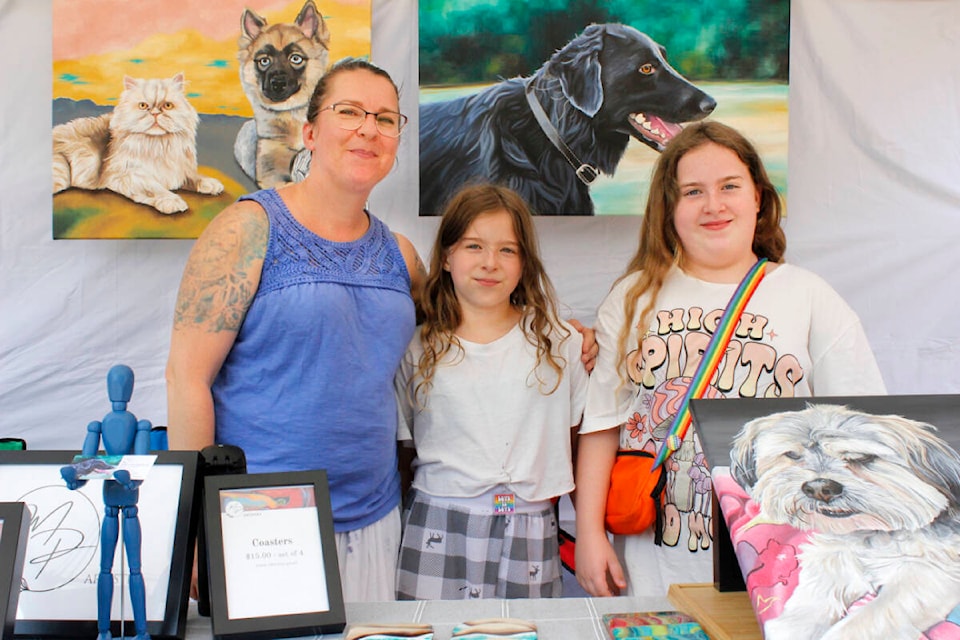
846 525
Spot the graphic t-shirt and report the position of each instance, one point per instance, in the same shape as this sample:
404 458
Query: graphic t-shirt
796 338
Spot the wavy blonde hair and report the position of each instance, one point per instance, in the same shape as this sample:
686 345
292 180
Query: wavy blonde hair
534 296
660 246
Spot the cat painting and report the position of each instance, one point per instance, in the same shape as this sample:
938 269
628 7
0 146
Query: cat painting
145 149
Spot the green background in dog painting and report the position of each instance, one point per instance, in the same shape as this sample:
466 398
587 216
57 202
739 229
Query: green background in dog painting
92 51
735 50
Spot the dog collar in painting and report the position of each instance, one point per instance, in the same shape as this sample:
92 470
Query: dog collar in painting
585 172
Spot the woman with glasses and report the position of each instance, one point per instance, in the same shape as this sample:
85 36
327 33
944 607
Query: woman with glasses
295 307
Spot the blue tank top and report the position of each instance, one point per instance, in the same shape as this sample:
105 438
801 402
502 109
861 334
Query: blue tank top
308 383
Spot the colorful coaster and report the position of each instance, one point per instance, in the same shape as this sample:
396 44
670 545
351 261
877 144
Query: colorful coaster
660 625
495 628
388 631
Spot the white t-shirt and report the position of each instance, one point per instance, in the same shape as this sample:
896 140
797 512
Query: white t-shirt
796 338
487 422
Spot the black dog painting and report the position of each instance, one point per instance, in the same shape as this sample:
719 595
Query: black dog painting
550 135
569 104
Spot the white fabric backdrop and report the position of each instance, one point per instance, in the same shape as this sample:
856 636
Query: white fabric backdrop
874 208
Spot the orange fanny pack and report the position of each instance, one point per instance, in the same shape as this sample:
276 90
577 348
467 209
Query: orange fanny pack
634 500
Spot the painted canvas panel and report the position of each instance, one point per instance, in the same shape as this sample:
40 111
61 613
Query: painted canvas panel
166 112
846 524
570 101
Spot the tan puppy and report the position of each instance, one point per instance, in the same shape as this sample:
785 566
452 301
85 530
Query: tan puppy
280 65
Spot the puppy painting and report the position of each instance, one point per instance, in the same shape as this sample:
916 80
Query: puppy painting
548 136
280 65
877 500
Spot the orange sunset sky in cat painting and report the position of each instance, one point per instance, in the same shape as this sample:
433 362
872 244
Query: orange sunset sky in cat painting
160 39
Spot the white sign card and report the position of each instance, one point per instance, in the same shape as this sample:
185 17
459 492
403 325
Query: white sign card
272 556
272 552
63 551
104 467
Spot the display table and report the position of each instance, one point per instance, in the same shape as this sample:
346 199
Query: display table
723 615
556 618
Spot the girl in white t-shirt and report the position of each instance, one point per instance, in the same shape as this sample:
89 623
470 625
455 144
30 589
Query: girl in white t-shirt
712 212
490 390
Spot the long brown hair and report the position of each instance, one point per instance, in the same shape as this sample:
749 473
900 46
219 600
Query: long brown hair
534 295
660 245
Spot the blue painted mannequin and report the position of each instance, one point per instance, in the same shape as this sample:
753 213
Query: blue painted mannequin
122 434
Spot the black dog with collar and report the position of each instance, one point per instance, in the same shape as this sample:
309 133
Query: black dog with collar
605 86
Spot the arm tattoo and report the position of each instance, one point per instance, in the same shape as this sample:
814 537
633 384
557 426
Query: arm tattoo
222 275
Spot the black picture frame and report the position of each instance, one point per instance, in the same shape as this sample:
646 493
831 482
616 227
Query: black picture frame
718 420
238 625
66 607
14 529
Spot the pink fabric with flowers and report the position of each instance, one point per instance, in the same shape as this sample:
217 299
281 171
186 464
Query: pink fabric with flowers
768 554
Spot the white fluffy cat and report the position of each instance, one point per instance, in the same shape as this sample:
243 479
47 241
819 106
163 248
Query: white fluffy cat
145 149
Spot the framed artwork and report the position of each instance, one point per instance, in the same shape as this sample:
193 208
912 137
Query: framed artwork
842 514
272 556
58 595
165 117
14 525
569 103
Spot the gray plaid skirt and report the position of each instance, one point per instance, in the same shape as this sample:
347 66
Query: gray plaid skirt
451 553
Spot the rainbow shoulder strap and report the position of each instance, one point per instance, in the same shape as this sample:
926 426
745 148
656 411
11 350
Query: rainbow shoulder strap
711 359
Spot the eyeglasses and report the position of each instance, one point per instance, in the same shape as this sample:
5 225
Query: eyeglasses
351 117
